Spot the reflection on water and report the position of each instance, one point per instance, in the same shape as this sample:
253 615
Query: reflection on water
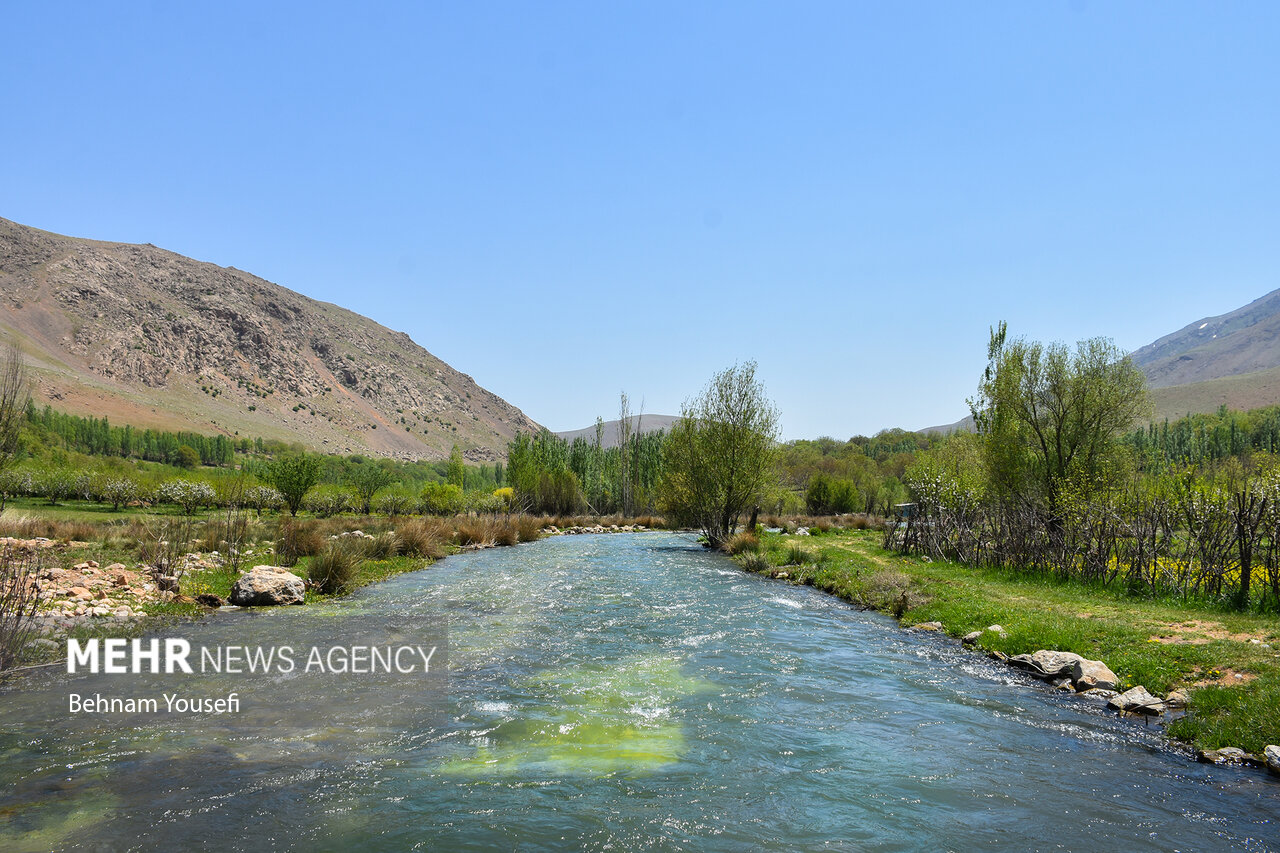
607 692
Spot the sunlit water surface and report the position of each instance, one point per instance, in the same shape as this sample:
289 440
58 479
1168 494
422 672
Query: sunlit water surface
626 692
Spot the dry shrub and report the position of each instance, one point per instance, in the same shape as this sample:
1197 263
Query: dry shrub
888 590
18 571
506 532
384 546
474 531
528 528
653 522
425 537
334 570
34 527
297 539
742 542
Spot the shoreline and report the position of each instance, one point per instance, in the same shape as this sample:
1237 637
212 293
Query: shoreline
883 582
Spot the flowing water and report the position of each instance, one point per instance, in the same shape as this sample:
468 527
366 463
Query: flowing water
626 692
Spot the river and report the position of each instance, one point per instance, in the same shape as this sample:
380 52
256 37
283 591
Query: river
612 692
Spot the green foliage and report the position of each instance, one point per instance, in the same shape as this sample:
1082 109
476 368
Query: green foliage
395 503
1048 415
719 457
328 500
831 496
186 457
365 481
441 499
293 476
457 473
96 437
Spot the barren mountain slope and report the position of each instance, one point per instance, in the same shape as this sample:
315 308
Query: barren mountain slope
152 338
1246 340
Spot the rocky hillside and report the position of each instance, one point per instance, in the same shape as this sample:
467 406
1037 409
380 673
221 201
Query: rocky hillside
152 338
1246 340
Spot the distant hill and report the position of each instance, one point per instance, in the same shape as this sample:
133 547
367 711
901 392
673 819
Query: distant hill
1244 341
154 339
644 423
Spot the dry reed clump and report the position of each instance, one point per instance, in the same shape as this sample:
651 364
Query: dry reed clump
297 539
528 528
34 527
384 546
474 531
741 543
425 537
334 570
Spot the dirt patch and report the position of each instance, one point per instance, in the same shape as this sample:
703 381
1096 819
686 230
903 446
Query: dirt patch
1227 677
1198 633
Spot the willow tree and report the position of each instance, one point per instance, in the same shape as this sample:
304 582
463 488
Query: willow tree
1048 415
719 457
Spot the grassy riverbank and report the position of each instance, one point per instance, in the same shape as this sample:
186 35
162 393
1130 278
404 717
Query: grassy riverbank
1228 662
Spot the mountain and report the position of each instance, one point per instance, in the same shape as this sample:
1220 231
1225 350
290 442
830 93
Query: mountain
1246 340
609 436
1231 360
154 339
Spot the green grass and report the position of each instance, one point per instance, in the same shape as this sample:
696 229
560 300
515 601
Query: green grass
78 510
1097 622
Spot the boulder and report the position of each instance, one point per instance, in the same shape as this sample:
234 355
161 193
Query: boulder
1100 694
1047 664
208 599
1137 701
1177 699
267 585
996 629
1272 754
928 626
971 637
1093 675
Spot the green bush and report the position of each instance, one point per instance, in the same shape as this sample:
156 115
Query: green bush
441 499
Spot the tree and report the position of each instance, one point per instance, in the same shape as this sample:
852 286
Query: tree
14 399
456 473
187 457
1048 416
719 457
293 476
366 480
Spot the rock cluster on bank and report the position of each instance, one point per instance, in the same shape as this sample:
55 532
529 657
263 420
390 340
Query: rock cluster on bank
552 530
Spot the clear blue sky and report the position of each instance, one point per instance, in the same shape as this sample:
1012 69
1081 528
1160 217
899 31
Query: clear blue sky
569 200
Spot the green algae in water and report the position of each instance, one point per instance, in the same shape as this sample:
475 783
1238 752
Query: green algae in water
595 720
54 822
